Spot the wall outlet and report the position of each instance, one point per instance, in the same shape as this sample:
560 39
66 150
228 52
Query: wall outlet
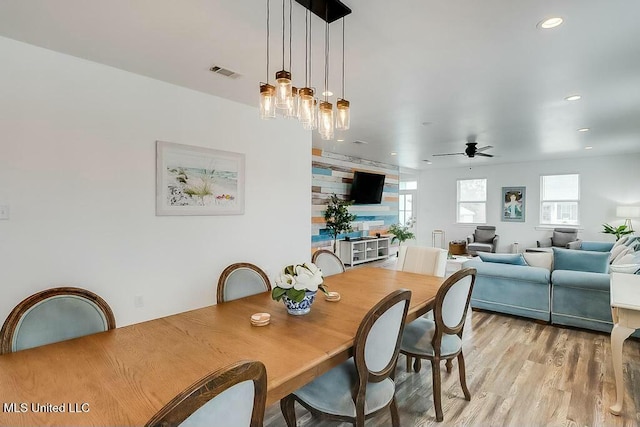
4 211
138 301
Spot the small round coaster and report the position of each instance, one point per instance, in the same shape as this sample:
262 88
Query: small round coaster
260 319
332 296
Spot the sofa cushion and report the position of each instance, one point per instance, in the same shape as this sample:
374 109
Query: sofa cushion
625 268
539 259
633 258
514 259
580 279
597 246
590 261
484 236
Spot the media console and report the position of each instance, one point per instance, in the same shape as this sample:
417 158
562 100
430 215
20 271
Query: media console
364 249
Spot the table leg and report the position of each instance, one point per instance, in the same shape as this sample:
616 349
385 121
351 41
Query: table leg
618 335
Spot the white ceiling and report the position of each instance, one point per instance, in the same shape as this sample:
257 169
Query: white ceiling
421 75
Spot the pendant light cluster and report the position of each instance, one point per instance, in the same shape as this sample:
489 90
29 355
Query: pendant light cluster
302 103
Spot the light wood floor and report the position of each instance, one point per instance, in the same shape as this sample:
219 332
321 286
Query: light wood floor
520 373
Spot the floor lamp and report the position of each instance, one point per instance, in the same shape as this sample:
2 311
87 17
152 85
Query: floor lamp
628 212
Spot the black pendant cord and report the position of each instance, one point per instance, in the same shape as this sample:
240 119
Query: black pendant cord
267 81
342 57
283 34
326 60
290 31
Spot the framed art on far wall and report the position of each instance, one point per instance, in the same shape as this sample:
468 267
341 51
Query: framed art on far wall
198 181
513 204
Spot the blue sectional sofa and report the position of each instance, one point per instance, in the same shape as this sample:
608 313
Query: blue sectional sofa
567 287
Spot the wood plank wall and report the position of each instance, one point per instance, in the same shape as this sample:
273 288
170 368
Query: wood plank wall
333 173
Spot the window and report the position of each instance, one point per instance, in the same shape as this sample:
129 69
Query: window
406 199
472 201
560 199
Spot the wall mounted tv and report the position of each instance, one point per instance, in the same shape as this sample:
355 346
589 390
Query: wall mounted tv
367 188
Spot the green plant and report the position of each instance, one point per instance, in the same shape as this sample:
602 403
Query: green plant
618 231
338 218
402 233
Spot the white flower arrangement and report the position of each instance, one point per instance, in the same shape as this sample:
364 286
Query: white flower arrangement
295 280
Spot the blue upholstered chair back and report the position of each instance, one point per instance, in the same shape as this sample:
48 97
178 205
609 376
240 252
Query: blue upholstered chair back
241 280
55 315
328 262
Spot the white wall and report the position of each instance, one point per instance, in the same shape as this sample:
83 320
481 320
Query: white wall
77 168
605 182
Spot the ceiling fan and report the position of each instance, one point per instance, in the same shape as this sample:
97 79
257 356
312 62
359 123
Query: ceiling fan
471 151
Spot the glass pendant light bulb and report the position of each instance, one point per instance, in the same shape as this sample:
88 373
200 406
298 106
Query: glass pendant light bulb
313 122
292 110
343 118
267 101
325 120
283 89
305 112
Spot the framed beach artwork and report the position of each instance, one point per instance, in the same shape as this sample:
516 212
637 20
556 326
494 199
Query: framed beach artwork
513 204
198 181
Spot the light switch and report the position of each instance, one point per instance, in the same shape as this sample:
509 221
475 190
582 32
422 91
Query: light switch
4 211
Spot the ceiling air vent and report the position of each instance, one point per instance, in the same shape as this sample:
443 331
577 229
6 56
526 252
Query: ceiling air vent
224 72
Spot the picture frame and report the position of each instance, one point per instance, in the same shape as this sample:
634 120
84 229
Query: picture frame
194 180
513 202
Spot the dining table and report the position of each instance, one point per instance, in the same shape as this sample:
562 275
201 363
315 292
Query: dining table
124 376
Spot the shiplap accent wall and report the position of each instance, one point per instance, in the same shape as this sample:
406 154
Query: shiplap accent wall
333 173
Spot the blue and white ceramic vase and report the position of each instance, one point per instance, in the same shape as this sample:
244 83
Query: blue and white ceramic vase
302 307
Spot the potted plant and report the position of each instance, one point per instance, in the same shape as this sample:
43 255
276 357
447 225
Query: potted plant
338 218
402 233
617 231
296 286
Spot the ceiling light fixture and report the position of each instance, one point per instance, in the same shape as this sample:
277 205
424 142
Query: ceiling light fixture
573 98
343 120
550 23
301 103
588 147
584 130
267 91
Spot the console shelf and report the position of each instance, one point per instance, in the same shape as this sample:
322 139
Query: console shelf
357 251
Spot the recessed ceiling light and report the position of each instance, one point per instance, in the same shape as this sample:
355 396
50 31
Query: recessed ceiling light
393 153
340 140
327 93
584 130
573 98
550 23
588 147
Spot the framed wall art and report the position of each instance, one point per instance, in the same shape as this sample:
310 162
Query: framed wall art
513 204
198 181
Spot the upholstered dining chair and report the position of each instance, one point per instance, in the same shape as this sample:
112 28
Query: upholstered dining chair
54 315
240 280
328 262
422 260
362 386
234 396
441 338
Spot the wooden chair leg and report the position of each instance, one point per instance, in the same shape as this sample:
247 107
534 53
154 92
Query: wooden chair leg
437 388
449 365
408 363
463 376
395 418
417 365
288 410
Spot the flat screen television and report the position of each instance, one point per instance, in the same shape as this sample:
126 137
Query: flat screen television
367 188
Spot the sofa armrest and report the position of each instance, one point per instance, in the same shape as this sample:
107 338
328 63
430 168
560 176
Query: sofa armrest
470 239
575 245
495 242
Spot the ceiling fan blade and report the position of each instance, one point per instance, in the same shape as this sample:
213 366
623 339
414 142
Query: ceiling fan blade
484 155
448 154
486 147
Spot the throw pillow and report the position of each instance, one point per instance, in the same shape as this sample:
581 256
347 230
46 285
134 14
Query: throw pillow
539 259
590 261
616 251
621 241
622 253
625 268
514 259
632 258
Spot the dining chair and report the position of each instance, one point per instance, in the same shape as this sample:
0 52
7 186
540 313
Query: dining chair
54 315
363 386
241 280
234 396
441 338
328 262
422 260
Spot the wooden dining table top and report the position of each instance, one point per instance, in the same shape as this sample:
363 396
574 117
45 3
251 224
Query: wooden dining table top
124 376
